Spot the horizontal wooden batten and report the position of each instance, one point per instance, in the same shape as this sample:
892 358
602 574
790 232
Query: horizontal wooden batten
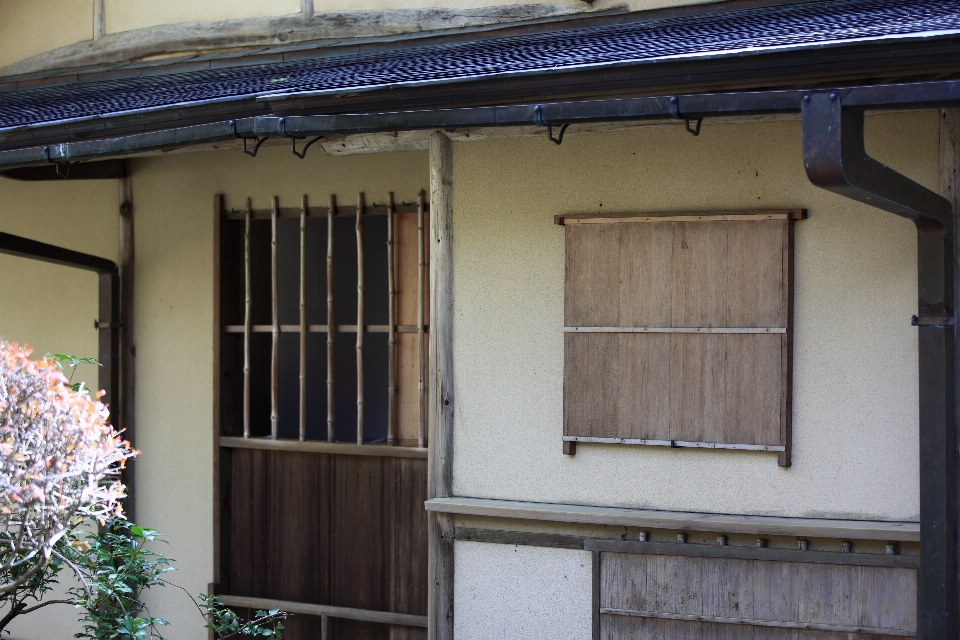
753 553
523 538
683 216
311 446
320 328
675 443
778 624
342 211
674 330
680 520
344 613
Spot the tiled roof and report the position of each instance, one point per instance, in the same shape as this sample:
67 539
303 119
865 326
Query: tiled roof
758 30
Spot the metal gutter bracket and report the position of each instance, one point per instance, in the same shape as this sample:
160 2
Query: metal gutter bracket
836 160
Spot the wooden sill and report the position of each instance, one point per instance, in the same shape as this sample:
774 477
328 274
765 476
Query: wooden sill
720 523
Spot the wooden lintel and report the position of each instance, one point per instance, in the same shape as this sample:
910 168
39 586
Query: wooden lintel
317 446
344 613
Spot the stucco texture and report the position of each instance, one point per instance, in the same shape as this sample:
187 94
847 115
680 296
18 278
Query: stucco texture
507 592
855 387
29 27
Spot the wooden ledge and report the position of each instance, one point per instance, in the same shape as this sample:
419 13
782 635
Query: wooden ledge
314 446
690 521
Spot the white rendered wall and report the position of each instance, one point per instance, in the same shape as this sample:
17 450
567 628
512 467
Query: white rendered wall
855 373
513 592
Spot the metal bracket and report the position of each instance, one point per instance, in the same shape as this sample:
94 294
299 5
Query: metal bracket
69 167
937 322
293 146
693 131
559 139
538 118
260 141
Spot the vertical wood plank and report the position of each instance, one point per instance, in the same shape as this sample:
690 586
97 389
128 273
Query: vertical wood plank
421 336
391 329
700 274
331 326
440 461
304 207
753 389
126 409
785 457
887 598
591 384
217 372
592 283
247 304
596 589
704 387
361 326
755 285
275 332
646 274
644 371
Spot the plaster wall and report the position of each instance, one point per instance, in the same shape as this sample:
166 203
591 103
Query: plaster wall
51 308
30 27
516 592
855 372
173 327
127 15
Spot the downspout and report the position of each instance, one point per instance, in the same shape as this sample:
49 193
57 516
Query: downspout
835 159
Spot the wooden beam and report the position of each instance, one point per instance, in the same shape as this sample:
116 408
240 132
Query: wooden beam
440 465
345 613
316 446
127 349
680 520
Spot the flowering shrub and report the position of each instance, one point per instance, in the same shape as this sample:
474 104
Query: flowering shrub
59 462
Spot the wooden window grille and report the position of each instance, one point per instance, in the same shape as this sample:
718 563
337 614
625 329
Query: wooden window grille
325 314
678 329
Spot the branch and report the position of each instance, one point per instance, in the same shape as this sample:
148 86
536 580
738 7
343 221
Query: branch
43 604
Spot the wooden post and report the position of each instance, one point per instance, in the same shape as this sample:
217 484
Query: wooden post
440 461
360 327
950 189
274 282
331 327
304 207
391 330
127 350
421 338
247 303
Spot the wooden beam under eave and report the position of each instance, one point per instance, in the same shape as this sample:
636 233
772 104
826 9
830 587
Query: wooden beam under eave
440 434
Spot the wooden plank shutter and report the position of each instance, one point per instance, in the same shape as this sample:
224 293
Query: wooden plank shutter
678 329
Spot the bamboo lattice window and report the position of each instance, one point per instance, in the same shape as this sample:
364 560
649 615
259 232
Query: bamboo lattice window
325 322
678 330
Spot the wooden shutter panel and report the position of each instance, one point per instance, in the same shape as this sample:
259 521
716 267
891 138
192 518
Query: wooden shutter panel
677 329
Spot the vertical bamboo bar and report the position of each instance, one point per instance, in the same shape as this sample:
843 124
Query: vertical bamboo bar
421 347
360 325
331 327
247 303
391 331
276 317
303 317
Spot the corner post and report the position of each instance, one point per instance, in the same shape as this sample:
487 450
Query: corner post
440 440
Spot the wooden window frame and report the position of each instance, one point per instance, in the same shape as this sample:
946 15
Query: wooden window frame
609 288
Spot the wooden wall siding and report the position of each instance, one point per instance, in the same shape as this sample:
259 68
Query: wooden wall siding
328 529
677 329
678 597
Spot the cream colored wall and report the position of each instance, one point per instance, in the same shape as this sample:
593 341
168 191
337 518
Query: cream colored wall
52 308
855 376
30 27
127 15
511 592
